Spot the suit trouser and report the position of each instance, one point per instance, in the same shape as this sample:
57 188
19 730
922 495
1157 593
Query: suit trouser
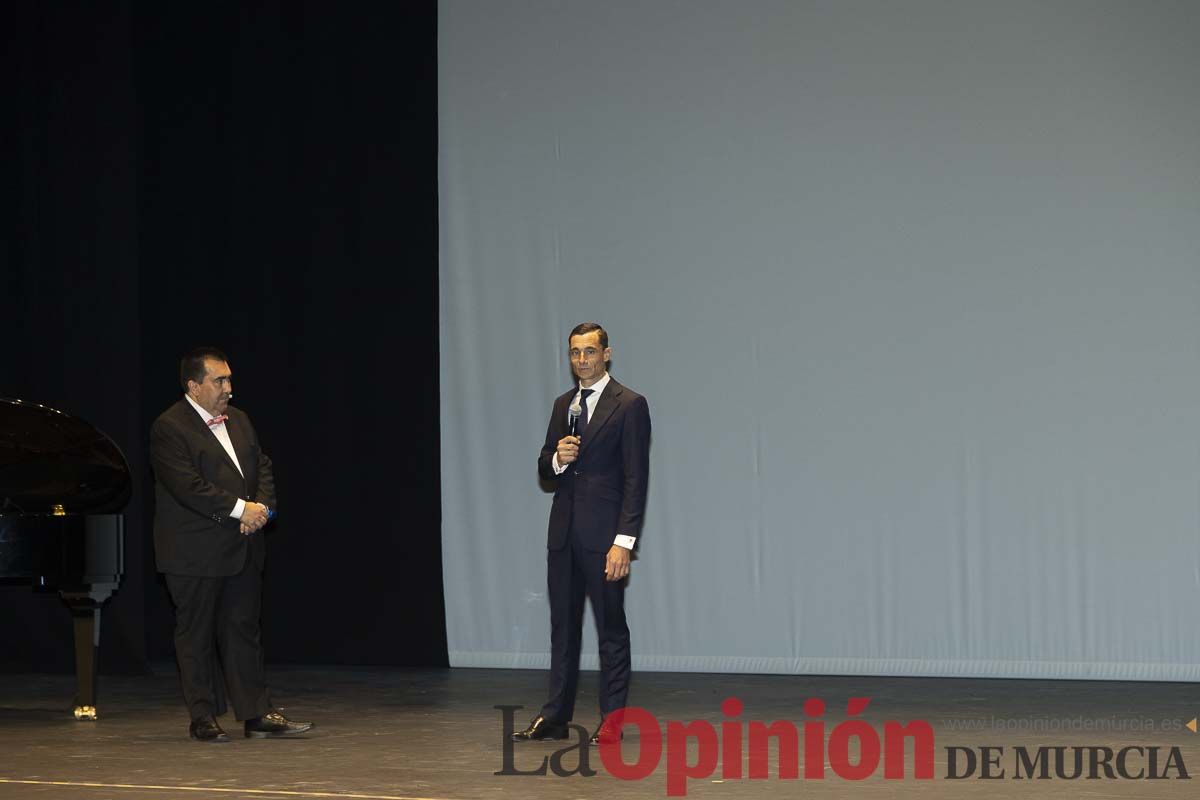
217 630
574 573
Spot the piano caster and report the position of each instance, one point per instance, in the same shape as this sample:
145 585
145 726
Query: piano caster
85 713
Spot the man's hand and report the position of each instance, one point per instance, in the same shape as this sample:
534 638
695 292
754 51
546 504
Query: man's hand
254 516
568 450
616 566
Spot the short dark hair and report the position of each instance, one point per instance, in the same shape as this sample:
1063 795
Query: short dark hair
588 327
191 366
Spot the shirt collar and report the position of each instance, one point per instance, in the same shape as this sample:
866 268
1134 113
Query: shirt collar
597 387
204 415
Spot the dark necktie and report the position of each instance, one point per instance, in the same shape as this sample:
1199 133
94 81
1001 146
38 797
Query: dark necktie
583 415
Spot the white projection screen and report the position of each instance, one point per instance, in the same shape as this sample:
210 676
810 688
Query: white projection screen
913 290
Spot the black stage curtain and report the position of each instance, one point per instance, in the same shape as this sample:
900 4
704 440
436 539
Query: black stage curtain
72 337
263 178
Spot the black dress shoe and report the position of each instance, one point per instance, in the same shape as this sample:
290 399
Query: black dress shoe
541 728
206 729
274 724
606 732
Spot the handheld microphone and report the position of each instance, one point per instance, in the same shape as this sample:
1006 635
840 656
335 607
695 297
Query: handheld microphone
573 415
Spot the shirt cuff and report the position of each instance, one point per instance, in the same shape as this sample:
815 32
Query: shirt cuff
558 470
625 541
238 508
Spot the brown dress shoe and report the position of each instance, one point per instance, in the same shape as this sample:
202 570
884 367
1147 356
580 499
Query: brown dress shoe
541 728
206 729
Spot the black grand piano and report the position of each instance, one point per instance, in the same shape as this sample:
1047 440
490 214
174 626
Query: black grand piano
63 484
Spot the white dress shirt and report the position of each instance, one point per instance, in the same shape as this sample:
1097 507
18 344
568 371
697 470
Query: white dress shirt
592 401
222 434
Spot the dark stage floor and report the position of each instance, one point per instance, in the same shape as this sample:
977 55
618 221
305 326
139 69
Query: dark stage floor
436 734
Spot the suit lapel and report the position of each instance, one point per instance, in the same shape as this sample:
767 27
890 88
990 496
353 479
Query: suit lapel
240 446
561 404
209 438
607 404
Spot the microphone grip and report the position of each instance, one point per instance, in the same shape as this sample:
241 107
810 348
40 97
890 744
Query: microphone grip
574 423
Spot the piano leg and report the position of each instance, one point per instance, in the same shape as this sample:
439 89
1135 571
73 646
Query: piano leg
87 643
85 611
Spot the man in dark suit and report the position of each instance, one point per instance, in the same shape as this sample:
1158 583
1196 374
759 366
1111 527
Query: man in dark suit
601 473
214 492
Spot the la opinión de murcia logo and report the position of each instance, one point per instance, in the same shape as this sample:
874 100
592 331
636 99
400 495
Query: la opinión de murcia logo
741 750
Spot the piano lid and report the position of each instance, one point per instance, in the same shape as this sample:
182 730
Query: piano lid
49 458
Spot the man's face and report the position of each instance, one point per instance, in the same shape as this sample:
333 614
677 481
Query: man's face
589 360
214 392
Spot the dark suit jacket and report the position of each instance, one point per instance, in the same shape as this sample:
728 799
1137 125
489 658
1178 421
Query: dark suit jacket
197 485
603 493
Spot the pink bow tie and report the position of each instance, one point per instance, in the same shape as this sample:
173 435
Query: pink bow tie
215 421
